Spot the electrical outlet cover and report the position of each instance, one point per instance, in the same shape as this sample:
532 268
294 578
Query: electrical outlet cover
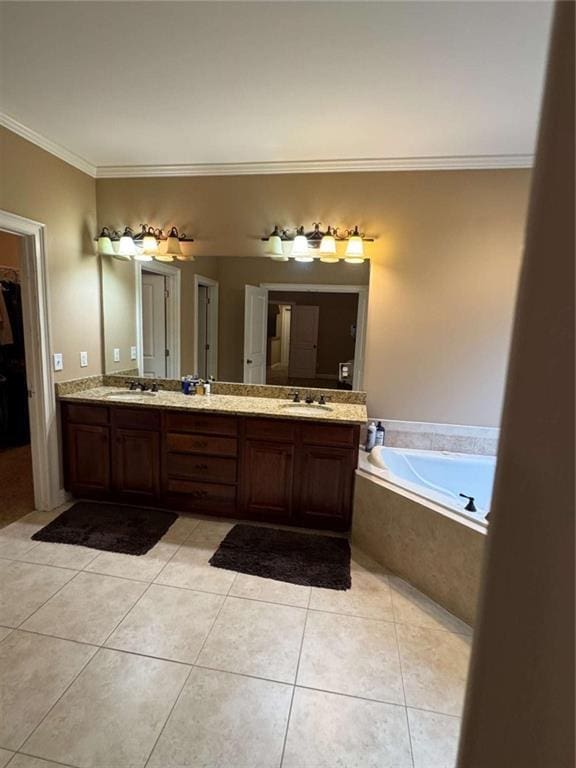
58 361
83 359
116 355
132 353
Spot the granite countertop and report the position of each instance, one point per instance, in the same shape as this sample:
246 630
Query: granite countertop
343 413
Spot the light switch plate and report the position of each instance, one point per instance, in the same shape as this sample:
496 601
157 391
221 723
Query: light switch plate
116 355
58 361
83 359
132 353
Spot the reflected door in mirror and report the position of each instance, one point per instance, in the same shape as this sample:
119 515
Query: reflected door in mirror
154 325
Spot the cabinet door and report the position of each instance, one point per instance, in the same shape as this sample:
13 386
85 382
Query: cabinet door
136 462
325 480
88 459
267 475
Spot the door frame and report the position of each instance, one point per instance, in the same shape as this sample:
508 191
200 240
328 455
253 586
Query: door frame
43 412
174 282
213 319
361 316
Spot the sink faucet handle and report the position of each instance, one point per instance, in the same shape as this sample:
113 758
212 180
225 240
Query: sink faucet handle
322 399
309 398
295 396
132 385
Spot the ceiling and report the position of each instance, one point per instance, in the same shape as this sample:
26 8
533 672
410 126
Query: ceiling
286 85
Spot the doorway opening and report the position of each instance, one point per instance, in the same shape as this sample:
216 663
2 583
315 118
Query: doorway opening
16 475
205 327
305 335
158 320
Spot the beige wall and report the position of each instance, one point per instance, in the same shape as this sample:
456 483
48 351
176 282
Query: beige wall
39 186
443 275
9 250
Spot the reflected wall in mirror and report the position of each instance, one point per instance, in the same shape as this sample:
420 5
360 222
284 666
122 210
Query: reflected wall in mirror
239 319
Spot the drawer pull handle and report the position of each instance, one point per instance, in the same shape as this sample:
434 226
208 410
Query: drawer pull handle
199 494
200 444
201 466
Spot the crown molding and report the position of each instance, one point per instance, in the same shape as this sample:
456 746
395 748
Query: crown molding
453 163
470 162
50 146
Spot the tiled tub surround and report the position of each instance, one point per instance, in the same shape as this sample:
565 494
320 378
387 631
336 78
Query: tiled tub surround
240 405
165 662
438 552
350 397
429 436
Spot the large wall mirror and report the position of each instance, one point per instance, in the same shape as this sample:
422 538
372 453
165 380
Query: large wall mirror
239 319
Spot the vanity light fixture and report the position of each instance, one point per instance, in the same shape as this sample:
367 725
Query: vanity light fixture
325 243
143 246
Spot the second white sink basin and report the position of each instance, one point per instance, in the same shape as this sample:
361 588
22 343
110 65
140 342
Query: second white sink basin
306 409
134 395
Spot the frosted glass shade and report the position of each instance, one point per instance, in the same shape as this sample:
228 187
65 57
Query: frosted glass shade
185 257
354 250
328 250
150 244
141 256
274 247
300 251
173 243
163 256
105 246
127 246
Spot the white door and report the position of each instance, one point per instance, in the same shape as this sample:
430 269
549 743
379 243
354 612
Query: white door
255 326
203 343
303 342
154 325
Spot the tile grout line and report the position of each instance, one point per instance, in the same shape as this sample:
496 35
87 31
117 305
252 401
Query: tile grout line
295 680
35 757
403 688
179 696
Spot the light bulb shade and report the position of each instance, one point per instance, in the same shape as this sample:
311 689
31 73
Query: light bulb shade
300 250
280 258
127 246
173 243
355 247
275 246
141 256
185 257
105 246
328 246
150 244
163 256
329 258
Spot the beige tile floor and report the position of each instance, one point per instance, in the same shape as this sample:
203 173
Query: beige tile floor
161 661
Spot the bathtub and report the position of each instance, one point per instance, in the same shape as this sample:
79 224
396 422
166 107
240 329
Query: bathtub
409 517
439 477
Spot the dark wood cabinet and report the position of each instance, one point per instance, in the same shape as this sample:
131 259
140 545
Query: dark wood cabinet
280 470
267 480
87 466
136 463
324 485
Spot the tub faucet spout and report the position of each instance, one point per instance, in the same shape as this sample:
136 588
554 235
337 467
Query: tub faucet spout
470 507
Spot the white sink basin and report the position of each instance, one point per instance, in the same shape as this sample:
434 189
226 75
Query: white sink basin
130 395
306 409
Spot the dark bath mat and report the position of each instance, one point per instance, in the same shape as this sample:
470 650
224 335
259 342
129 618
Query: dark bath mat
110 527
298 558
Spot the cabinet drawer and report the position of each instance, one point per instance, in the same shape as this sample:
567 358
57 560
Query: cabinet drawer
207 423
86 414
204 496
270 429
136 418
204 468
329 434
217 446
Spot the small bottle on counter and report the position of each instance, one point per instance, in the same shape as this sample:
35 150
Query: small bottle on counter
370 436
207 387
380 434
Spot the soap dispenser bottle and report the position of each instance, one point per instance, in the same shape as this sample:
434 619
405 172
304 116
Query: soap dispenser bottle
380 433
370 436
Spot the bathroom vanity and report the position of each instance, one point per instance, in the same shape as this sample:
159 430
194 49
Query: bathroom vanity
230 457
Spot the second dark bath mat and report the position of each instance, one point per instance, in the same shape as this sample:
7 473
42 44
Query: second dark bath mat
298 558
